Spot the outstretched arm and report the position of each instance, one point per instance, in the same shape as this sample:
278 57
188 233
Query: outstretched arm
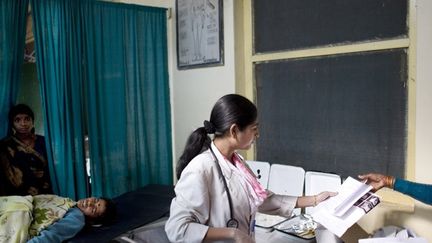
308 201
421 192
66 228
378 181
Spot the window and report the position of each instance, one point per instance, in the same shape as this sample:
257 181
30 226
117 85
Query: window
331 82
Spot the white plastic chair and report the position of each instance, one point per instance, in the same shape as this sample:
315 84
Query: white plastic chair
261 170
287 180
316 182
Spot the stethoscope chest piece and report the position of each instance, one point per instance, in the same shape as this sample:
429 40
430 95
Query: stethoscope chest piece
232 223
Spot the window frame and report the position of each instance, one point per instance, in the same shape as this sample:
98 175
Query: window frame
246 59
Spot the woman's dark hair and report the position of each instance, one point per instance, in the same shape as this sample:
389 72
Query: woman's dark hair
109 215
20 109
228 110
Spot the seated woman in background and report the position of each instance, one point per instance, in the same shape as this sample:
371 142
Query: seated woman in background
421 192
50 218
23 157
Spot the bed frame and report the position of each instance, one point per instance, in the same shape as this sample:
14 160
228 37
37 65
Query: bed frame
134 209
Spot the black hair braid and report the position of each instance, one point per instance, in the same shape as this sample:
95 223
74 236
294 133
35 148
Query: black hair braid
197 142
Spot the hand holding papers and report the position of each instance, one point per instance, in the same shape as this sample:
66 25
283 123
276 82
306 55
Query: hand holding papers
340 212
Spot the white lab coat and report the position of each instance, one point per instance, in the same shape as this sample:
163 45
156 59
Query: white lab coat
201 201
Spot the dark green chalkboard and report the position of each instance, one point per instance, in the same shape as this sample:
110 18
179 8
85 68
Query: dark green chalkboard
345 114
297 24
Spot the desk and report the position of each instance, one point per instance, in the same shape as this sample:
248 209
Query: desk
155 232
322 236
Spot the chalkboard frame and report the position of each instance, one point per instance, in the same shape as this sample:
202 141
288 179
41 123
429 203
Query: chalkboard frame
396 58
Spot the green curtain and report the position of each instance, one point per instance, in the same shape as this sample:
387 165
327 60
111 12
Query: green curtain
128 102
103 71
12 41
57 30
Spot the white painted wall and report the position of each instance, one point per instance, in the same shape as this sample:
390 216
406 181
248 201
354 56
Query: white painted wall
196 90
420 221
424 93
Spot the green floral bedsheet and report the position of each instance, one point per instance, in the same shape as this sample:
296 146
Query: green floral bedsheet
15 218
47 209
22 218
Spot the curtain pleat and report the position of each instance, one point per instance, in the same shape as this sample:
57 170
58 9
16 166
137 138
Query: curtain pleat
12 42
59 65
103 72
128 97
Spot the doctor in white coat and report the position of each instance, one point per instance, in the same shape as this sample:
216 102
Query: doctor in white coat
217 195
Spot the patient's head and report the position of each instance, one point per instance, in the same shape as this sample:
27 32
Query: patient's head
97 210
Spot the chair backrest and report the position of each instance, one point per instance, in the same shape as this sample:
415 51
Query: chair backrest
287 180
261 170
316 182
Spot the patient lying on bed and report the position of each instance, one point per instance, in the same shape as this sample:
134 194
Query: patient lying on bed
50 218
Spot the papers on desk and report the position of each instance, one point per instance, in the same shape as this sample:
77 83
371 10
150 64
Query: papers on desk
301 226
340 212
394 234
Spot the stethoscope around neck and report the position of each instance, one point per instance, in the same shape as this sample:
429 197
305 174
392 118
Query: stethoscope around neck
232 222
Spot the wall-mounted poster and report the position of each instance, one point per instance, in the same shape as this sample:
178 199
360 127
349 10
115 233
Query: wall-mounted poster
199 33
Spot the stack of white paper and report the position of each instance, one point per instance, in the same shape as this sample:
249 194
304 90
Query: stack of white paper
340 212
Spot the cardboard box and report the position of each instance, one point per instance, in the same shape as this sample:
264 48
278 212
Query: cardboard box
354 234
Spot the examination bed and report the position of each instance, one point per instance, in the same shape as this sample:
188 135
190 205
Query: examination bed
134 209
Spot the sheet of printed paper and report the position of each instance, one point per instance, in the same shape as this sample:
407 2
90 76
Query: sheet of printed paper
339 213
